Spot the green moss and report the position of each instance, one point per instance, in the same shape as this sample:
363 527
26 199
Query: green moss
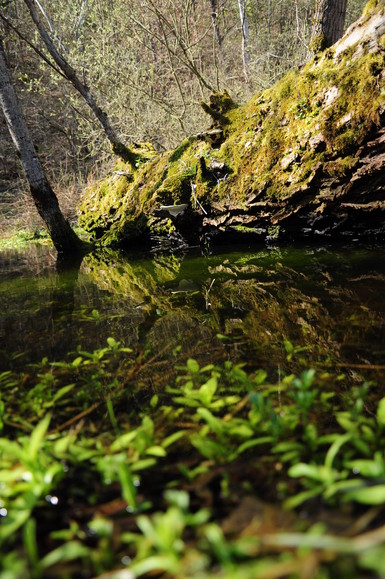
320 114
341 166
174 189
370 6
204 181
176 155
318 43
161 226
220 104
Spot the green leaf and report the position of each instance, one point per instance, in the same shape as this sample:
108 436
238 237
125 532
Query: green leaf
169 440
143 464
123 441
344 420
209 448
287 446
254 442
167 563
288 346
14 520
217 425
112 343
127 483
208 390
76 363
156 451
62 392
61 445
67 552
297 500
312 471
373 559
95 314
186 401
335 447
192 366
381 412
340 487
37 437
367 468
180 499
241 430
368 495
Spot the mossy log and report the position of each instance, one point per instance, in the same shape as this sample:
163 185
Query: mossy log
305 158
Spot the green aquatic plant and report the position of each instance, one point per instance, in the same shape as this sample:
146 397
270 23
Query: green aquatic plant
28 473
160 545
159 467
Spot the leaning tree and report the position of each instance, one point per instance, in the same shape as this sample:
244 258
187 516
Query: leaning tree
64 238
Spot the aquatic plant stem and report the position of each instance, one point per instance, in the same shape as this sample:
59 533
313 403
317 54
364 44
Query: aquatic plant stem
135 370
332 543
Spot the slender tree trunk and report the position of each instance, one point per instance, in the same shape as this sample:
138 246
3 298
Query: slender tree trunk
214 20
117 146
62 235
328 23
245 38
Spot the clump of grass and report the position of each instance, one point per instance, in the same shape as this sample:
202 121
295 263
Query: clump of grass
21 238
20 223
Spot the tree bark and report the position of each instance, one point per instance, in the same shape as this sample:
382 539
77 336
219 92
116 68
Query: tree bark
214 20
245 39
64 238
328 23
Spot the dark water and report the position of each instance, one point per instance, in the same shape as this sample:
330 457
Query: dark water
270 307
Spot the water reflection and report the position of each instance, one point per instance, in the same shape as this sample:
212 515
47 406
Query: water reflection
313 306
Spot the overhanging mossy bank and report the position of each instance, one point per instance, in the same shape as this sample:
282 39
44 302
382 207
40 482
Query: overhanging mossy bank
303 157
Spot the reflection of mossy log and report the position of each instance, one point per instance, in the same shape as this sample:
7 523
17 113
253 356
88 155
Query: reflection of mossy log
304 157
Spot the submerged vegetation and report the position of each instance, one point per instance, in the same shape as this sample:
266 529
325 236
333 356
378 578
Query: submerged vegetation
102 471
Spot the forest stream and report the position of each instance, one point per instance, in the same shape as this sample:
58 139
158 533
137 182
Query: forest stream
327 302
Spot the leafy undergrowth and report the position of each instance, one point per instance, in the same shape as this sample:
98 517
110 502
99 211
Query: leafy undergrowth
218 473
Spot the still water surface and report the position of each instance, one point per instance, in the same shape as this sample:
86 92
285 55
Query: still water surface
271 308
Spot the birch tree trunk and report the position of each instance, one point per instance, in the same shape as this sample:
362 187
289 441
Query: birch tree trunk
245 38
64 238
328 23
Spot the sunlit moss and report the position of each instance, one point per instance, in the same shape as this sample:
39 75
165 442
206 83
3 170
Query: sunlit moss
320 114
370 6
22 238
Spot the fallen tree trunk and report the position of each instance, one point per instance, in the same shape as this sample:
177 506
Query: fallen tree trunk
304 159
